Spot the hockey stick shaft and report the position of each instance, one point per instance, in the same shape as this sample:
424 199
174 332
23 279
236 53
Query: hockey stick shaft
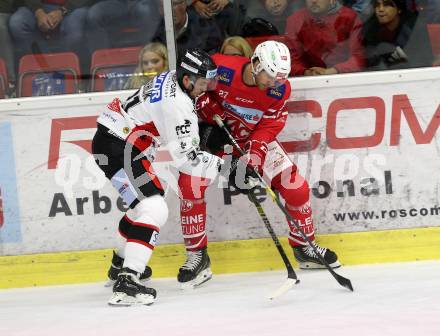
290 271
340 279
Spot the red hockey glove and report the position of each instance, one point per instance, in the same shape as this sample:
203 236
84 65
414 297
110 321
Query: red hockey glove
256 151
207 107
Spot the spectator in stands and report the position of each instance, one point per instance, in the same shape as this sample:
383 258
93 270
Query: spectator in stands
107 17
364 8
209 8
191 30
7 7
325 39
274 11
237 46
153 60
228 14
43 26
395 38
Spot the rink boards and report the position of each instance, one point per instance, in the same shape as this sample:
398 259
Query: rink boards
366 143
252 255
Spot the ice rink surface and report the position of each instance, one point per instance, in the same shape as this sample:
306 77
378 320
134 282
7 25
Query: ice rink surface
389 299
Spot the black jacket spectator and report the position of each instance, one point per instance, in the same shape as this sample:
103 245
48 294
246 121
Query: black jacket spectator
197 33
408 46
276 13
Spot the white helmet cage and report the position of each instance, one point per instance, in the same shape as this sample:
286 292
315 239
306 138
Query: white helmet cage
274 58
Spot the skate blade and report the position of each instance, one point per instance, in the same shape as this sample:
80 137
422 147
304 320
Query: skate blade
124 300
286 286
145 280
311 265
203 276
109 283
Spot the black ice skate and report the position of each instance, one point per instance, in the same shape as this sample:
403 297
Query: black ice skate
116 267
129 291
307 258
196 269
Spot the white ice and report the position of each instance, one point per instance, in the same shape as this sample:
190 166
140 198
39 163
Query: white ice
389 299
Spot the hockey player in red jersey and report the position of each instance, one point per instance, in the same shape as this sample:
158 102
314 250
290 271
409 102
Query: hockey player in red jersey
124 147
251 99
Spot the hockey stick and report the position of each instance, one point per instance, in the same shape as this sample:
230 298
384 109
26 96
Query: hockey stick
340 279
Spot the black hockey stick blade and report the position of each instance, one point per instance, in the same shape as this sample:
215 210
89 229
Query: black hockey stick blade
344 282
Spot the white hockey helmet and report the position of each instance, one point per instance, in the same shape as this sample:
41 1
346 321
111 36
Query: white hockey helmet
274 58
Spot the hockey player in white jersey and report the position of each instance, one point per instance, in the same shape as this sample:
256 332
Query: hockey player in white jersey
129 133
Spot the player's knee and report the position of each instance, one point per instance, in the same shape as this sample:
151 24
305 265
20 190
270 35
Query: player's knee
152 209
294 189
191 187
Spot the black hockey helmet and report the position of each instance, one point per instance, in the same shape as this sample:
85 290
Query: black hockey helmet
258 27
196 63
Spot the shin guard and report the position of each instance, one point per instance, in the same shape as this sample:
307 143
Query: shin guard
193 211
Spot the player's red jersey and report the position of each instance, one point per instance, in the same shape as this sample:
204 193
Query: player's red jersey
251 114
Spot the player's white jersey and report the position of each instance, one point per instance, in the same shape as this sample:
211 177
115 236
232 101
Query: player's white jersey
161 109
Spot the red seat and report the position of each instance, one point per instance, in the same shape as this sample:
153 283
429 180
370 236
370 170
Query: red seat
3 78
256 40
434 36
111 68
48 74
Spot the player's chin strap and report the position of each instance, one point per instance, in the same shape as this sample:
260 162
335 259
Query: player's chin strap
189 90
184 89
292 279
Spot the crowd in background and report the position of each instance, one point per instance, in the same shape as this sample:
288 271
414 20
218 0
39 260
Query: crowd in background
324 36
